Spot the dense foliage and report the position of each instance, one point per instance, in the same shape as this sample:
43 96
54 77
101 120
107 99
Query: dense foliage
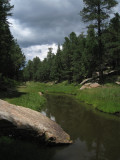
98 11
78 58
11 57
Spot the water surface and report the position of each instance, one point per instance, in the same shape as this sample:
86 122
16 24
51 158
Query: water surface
96 135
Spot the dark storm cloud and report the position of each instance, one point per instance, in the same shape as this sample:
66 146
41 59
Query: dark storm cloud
41 24
46 21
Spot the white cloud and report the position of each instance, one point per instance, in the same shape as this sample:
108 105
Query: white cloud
19 31
39 51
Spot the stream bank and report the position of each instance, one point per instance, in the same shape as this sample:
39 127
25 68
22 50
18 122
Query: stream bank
105 99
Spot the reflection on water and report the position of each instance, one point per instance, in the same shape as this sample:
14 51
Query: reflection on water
96 136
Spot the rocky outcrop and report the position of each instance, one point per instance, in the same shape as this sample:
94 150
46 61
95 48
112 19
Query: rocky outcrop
24 122
86 81
117 83
94 79
90 85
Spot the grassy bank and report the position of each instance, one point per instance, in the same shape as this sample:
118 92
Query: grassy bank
105 98
26 96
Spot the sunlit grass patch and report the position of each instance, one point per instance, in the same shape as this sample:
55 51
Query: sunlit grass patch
106 99
28 96
29 100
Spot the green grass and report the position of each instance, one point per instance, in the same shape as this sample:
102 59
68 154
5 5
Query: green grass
105 99
26 96
63 87
29 100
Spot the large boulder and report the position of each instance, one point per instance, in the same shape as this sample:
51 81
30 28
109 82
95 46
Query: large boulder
24 122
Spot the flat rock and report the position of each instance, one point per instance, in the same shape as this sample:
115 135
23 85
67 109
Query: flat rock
24 121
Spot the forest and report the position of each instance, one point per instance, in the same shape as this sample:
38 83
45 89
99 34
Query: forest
79 57
12 60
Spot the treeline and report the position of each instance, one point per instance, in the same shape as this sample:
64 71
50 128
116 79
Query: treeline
78 58
11 57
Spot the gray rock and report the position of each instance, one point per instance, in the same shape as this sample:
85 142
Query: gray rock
24 121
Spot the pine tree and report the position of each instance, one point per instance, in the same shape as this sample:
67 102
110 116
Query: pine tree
98 11
16 62
36 66
11 57
112 42
69 48
5 36
89 57
57 66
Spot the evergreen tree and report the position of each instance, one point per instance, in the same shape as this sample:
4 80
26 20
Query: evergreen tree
112 42
98 11
67 60
16 62
36 66
49 63
28 71
5 36
78 51
89 58
69 47
11 57
57 66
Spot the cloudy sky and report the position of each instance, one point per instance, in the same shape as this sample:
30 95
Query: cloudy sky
40 24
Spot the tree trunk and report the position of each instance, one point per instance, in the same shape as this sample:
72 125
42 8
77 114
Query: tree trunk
100 46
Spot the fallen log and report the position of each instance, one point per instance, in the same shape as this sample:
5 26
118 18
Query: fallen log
24 122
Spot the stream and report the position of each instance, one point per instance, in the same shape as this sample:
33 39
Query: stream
96 135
